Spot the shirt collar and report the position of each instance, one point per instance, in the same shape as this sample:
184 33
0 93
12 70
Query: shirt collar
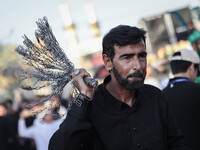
117 103
177 79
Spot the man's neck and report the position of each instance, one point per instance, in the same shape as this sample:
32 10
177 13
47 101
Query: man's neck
184 75
120 93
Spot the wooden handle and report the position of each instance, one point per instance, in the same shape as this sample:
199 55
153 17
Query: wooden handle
91 82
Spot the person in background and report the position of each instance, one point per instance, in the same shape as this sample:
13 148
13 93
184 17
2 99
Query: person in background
122 113
194 39
183 95
40 132
4 129
26 143
12 124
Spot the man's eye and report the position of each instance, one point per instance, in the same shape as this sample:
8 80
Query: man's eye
127 57
142 55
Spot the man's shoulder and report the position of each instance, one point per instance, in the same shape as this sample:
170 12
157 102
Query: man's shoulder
192 87
151 91
185 85
99 92
151 88
153 95
184 91
196 85
193 84
99 88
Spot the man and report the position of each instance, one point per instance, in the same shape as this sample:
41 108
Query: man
122 113
183 95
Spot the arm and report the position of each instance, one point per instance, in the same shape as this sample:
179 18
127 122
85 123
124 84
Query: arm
23 130
75 132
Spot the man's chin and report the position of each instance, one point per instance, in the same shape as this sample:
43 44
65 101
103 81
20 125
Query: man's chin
134 85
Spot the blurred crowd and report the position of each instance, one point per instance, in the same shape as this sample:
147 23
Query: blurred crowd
20 129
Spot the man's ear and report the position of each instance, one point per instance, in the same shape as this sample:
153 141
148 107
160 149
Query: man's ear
191 67
189 70
107 61
192 72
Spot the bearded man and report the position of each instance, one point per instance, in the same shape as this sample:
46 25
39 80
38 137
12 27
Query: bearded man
122 113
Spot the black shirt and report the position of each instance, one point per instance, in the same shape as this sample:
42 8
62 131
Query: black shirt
4 133
109 124
184 98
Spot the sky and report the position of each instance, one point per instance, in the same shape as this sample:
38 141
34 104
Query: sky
18 17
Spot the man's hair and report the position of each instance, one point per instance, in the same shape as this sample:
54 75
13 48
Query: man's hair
121 35
180 66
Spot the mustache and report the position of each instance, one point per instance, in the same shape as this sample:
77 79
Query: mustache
136 74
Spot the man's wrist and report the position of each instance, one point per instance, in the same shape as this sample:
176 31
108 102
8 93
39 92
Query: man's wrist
84 97
88 93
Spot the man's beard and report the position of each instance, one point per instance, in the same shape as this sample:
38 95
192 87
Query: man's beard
129 85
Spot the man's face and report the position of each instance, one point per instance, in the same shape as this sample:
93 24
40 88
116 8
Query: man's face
194 73
129 65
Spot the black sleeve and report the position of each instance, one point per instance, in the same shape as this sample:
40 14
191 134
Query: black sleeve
175 138
75 131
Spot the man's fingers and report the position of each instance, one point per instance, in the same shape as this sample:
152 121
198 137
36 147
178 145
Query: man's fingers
76 72
79 82
82 72
78 77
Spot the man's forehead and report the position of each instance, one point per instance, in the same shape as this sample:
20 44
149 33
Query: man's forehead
131 47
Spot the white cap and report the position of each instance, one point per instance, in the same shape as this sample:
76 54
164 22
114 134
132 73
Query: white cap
186 55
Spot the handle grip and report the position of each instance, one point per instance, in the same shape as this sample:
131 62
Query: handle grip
91 82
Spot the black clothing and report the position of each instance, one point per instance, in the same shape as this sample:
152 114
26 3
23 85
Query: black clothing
184 98
12 127
109 124
4 133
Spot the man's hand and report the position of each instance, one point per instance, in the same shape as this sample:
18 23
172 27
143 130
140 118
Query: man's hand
78 81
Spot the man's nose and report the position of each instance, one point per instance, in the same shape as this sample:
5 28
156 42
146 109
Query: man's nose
136 64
